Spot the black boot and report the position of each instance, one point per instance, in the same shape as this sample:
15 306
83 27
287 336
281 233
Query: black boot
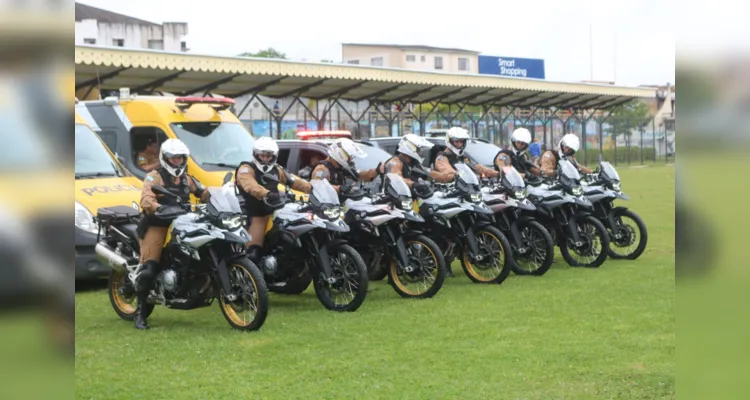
140 317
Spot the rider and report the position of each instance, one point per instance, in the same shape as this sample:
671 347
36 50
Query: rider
567 147
409 156
254 189
517 156
456 140
172 175
340 163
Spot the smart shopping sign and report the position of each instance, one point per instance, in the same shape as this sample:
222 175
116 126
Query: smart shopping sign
512 66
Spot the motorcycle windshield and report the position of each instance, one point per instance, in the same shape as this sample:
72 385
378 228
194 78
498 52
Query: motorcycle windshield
513 177
568 170
398 185
466 174
223 199
609 171
323 193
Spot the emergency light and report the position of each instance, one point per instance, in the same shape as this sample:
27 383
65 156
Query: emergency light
218 103
305 135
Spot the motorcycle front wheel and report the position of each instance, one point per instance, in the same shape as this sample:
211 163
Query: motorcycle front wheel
540 250
249 310
630 240
348 291
496 257
593 250
123 298
427 272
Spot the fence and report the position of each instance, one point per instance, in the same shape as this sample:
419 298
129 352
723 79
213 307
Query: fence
620 140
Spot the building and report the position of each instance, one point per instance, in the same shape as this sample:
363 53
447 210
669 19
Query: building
415 57
95 26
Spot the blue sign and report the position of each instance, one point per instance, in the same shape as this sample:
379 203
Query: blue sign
513 67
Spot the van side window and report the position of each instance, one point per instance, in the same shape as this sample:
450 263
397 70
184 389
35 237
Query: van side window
283 157
308 159
109 138
145 141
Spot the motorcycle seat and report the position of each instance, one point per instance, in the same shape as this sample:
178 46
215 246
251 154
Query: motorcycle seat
130 229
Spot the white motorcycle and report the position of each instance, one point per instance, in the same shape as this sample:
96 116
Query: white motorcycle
602 188
533 247
203 259
416 267
452 220
564 211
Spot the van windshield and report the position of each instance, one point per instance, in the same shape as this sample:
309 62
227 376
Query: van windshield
223 144
92 158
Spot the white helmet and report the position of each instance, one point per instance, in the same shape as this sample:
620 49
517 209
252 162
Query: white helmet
569 140
456 133
412 145
520 135
344 151
173 148
265 145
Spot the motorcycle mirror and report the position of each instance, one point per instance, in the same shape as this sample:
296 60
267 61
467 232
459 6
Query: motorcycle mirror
227 178
160 189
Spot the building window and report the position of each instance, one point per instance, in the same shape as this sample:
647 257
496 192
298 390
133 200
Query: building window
411 58
353 62
156 44
377 61
463 64
183 46
118 42
438 62
89 41
423 58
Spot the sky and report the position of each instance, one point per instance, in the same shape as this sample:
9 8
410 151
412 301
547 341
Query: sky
633 41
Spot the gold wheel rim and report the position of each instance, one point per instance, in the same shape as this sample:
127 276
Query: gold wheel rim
233 315
120 303
397 279
470 267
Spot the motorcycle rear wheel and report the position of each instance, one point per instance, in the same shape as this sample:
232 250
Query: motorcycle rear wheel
123 298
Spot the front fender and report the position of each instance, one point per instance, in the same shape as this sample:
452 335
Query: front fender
581 214
481 223
525 218
618 210
337 241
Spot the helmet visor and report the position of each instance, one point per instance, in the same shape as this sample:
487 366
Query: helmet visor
459 143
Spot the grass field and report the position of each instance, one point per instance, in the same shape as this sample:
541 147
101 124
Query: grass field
571 334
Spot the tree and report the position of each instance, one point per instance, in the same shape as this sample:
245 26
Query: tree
628 117
267 53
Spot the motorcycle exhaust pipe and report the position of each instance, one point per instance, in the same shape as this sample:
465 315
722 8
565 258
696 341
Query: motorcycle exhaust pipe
109 257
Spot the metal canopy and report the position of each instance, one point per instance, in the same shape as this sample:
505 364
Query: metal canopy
181 73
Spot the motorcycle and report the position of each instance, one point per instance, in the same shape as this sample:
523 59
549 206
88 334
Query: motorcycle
563 210
379 229
203 259
452 220
602 188
533 247
304 244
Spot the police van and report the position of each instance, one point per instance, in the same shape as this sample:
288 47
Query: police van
100 181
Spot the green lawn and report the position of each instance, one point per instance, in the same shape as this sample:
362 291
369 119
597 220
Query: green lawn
571 334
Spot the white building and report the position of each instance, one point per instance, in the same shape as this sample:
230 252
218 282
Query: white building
95 26
416 57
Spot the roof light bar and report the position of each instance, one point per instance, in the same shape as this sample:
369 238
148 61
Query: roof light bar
305 135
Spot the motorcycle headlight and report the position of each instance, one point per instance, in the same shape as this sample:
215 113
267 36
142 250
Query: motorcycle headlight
476 197
520 194
332 213
406 205
84 219
577 191
232 223
616 186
